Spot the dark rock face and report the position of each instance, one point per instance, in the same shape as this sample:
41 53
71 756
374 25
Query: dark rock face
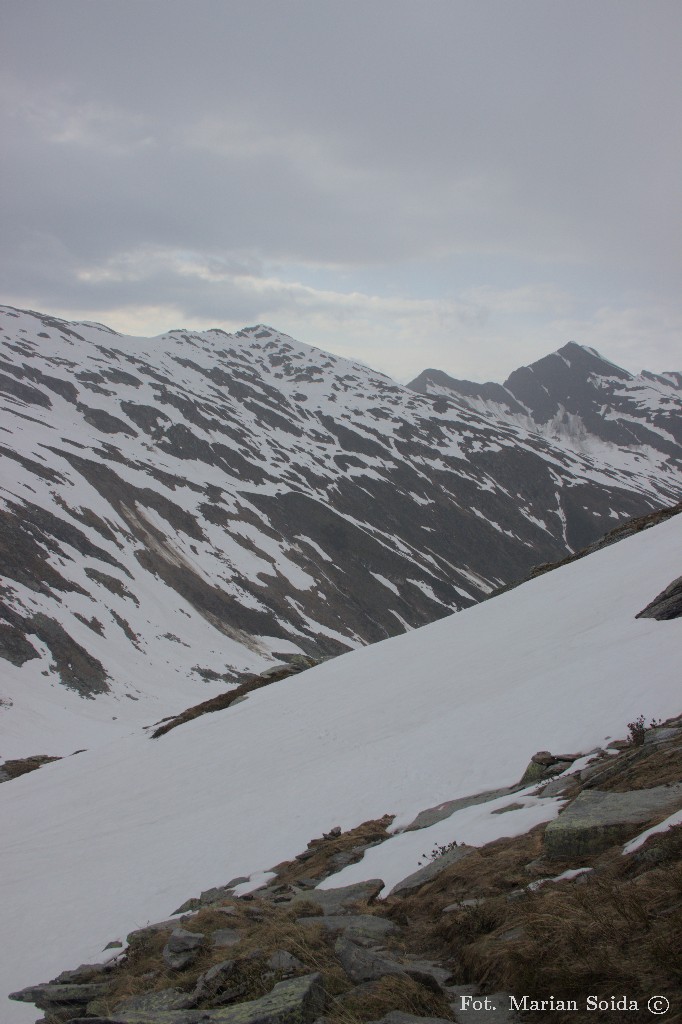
576 395
284 501
668 604
596 820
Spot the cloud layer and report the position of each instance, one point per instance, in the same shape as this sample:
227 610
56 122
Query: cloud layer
415 183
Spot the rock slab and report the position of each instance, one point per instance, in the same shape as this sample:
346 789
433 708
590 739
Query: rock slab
597 819
430 871
335 901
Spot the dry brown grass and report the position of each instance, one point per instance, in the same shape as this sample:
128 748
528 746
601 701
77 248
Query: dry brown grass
264 929
615 932
223 700
321 851
647 767
379 998
24 765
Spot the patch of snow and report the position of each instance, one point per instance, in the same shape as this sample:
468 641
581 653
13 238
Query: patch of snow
663 826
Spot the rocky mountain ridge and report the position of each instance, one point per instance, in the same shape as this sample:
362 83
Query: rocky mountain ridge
179 512
577 397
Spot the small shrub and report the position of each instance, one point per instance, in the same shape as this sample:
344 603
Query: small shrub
638 729
438 851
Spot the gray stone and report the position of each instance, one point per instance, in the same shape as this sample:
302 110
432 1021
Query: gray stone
342 859
298 1001
165 999
556 787
431 870
667 605
662 735
543 757
432 815
363 964
189 905
335 901
52 995
285 962
597 819
538 771
182 948
591 771
213 980
414 965
361 928
86 972
221 892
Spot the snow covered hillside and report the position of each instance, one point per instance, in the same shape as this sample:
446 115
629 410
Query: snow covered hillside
176 512
104 841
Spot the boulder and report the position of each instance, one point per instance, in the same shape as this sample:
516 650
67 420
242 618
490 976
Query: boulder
335 901
215 981
543 765
165 999
364 964
53 996
299 1001
597 819
662 734
182 949
667 605
285 962
557 787
432 815
430 871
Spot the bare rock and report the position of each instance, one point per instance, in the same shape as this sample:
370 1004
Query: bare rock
182 949
336 901
430 871
597 819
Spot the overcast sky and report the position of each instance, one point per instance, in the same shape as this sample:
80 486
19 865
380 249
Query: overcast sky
465 184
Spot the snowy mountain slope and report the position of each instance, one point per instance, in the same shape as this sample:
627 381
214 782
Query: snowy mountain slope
178 511
99 843
576 397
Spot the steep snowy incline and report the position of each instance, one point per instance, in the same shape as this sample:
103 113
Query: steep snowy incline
176 512
99 843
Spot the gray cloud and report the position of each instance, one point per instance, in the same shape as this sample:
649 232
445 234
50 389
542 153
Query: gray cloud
143 141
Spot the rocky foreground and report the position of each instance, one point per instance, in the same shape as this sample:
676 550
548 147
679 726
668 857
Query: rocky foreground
561 921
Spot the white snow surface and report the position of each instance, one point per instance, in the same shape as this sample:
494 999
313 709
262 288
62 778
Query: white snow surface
103 842
634 844
405 853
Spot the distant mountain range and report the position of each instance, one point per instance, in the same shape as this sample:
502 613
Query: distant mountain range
183 510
